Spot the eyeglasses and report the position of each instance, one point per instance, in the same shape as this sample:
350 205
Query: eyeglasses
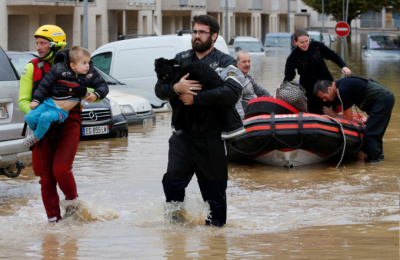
199 32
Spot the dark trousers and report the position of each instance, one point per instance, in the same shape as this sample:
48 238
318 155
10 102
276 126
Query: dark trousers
205 157
378 120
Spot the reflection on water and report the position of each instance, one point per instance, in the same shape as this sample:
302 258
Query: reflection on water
277 213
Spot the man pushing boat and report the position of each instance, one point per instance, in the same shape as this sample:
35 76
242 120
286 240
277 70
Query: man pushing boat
369 96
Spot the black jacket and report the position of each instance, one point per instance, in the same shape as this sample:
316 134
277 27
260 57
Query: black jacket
310 65
61 82
213 113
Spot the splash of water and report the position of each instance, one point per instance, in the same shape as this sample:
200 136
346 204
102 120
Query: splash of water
193 211
85 211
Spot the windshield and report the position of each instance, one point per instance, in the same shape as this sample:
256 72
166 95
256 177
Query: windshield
384 42
250 46
20 60
277 42
316 37
108 79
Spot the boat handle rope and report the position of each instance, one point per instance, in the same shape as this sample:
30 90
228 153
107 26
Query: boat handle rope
251 153
342 146
300 131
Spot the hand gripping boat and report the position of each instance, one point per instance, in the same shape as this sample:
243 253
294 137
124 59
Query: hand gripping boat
290 138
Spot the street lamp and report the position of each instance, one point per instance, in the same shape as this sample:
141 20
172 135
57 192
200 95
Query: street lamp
85 24
323 16
226 21
288 18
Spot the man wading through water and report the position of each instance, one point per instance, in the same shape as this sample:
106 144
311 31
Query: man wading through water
196 145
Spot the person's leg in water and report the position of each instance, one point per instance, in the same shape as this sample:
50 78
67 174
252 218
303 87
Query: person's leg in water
211 167
64 156
379 117
177 178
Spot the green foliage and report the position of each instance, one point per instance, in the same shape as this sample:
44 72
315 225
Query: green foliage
356 7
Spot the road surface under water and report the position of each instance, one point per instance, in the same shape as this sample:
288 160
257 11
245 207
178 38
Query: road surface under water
310 212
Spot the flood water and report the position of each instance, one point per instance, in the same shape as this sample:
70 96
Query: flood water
310 212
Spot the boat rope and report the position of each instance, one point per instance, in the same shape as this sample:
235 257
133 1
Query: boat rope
344 139
250 153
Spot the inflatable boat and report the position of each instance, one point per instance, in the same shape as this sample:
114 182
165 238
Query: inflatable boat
290 138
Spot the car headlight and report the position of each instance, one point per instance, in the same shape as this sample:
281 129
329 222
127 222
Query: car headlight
115 109
127 110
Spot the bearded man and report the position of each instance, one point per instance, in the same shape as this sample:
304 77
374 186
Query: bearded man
197 146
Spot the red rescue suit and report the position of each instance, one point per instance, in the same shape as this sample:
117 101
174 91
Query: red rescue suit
52 157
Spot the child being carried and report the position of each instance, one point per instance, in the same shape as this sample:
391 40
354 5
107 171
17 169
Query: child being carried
67 82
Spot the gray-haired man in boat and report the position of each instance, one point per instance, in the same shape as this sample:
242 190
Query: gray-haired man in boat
251 89
368 95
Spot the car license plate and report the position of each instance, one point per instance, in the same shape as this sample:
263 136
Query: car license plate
3 112
96 130
147 121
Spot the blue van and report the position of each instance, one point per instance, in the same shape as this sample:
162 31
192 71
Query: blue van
280 42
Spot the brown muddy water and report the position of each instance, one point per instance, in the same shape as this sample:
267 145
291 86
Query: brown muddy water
311 212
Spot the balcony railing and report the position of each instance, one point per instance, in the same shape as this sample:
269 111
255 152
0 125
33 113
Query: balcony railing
192 3
231 4
141 2
64 1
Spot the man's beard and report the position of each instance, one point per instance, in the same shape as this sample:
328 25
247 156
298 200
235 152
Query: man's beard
203 46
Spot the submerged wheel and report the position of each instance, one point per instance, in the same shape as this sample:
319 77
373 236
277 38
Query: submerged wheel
123 134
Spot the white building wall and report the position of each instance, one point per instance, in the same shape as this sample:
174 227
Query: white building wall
3 25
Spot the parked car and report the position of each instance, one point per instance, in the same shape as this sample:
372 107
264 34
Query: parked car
277 43
99 119
14 156
327 39
136 109
131 61
250 44
316 36
381 45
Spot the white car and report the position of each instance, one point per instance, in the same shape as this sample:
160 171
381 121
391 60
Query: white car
250 44
136 109
316 36
131 62
381 45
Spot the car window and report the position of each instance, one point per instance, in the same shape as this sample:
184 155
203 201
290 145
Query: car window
316 37
20 60
250 46
103 61
6 71
277 42
384 42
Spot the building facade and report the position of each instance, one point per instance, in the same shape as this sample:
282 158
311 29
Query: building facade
112 20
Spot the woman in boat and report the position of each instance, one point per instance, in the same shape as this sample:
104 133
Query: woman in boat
308 59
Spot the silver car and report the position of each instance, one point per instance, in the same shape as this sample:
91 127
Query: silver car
14 156
381 45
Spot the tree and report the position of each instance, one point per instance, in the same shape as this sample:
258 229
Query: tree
356 7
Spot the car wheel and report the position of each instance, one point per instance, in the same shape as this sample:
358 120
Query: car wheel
123 134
